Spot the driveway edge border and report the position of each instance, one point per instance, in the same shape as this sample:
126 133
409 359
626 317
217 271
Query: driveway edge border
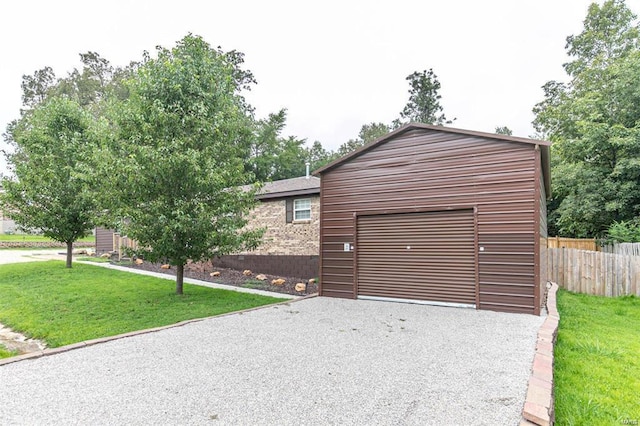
86 343
538 406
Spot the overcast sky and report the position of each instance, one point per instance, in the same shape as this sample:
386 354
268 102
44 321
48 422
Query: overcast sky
335 65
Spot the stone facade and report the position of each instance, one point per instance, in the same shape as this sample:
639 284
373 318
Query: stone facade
288 249
301 237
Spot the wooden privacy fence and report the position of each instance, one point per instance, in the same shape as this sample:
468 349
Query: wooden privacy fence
572 243
594 272
120 243
631 249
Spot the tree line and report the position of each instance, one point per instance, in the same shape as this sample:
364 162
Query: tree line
593 120
164 149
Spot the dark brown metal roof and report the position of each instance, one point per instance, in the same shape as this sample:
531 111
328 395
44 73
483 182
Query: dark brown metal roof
544 146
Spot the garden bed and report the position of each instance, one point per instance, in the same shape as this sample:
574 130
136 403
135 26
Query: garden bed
202 271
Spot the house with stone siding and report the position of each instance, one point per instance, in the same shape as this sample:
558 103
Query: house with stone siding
289 210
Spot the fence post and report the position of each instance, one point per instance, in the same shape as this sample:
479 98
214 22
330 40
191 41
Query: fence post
614 276
636 275
627 275
562 268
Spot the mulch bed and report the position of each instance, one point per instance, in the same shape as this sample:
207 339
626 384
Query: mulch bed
202 271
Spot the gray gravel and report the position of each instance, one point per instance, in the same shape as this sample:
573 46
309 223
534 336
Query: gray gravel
315 361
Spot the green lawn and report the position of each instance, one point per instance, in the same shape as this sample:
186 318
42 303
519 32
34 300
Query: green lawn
61 306
597 360
5 353
36 238
93 259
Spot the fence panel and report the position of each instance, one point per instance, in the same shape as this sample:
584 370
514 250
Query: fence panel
572 243
592 272
630 249
121 243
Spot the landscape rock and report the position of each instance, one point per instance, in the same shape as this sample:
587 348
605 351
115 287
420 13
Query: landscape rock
80 251
247 272
278 281
301 287
215 274
14 341
261 277
139 261
105 255
165 266
312 281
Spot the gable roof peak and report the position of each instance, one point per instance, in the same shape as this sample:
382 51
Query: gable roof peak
429 127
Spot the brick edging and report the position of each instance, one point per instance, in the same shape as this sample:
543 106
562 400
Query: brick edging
538 406
67 348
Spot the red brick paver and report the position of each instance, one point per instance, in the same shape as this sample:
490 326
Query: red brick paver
538 406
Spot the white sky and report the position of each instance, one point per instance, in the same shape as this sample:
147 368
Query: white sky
335 65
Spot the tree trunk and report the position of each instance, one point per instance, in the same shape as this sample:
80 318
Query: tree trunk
179 278
69 253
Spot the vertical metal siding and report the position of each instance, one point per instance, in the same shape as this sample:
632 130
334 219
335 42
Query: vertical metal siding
543 242
430 170
536 238
104 240
423 256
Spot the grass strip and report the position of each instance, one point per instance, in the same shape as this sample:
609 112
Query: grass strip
4 353
94 259
597 360
37 238
46 301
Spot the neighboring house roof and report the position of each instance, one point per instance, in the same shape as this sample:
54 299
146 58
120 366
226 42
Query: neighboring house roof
544 146
290 188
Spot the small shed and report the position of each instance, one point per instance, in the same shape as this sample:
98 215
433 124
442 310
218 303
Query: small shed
431 214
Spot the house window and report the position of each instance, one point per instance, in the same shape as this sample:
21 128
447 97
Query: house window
302 209
298 209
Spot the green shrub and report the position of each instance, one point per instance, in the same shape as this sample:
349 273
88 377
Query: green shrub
624 232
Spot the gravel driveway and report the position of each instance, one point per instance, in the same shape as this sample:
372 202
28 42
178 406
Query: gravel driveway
315 361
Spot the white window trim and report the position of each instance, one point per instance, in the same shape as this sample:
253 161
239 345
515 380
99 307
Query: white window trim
296 210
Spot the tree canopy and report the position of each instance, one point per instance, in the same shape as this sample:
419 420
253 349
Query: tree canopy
50 191
368 133
273 157
424 100
88 86
503 130
173 171
423 106
594 122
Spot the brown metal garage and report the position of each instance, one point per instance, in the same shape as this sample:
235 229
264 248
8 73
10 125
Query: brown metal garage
432 214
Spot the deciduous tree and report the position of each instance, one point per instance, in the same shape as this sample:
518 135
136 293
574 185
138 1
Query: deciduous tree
36 87
368 133
593 121
173 170
318 156
272 156
503 130
424 100
49 191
